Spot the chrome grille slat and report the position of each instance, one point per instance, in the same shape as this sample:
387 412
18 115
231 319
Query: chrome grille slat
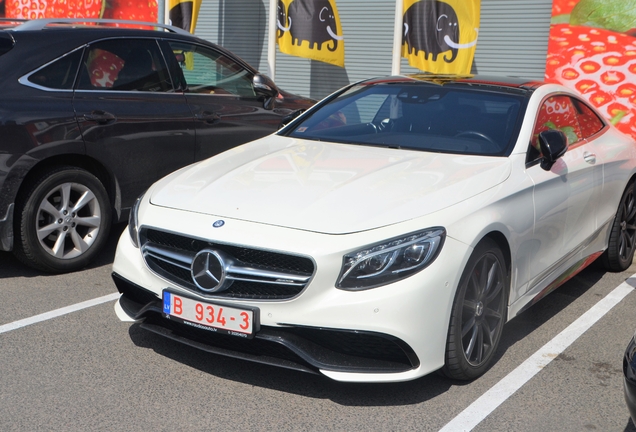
169 255
269 275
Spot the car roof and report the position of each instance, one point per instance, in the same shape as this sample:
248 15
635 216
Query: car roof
83 23
499 83
79 30
64 34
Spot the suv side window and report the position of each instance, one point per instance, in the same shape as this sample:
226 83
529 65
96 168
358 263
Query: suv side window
60 74
129 65
209 72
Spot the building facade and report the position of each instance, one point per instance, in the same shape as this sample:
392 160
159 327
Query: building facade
513 41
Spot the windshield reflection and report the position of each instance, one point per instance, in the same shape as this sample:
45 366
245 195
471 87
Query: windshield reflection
420 116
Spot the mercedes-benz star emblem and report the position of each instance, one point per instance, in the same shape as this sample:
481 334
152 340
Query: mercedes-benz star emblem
209 270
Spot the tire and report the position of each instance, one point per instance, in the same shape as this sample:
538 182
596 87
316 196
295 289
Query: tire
478 314
620 248
62 220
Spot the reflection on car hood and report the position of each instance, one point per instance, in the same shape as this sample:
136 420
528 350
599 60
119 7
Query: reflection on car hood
326 187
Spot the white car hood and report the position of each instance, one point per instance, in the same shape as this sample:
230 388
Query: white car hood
326 187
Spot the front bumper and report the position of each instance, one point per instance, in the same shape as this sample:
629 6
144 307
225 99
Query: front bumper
392 333
629 371
301 348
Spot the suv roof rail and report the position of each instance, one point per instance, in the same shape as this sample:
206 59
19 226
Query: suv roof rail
40 24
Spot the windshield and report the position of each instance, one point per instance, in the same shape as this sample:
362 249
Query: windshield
421 116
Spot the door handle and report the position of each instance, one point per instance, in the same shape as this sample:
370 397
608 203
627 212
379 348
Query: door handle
589 158
101 117
208 117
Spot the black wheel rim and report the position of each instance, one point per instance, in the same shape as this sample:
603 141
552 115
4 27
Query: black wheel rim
482 310
628 227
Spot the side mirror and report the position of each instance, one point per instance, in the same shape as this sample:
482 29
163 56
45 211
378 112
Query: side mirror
264 86
289 117
553 144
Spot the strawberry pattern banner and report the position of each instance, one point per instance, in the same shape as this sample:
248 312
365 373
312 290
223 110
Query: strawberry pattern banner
145 10
592 49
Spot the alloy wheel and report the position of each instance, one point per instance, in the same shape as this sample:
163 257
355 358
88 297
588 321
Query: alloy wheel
483 310
628 226
68 220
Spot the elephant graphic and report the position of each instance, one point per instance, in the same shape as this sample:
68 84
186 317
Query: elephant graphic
281 20
432 26
314 22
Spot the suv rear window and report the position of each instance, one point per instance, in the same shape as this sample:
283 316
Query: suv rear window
59 74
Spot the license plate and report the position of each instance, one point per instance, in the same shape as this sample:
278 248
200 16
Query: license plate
209 316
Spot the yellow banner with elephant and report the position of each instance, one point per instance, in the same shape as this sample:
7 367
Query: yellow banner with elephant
440 36
184 13
310 29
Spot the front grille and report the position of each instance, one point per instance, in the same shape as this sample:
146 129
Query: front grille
170 255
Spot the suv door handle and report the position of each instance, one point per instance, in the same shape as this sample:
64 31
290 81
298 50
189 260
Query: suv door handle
208 117
589 158
101 117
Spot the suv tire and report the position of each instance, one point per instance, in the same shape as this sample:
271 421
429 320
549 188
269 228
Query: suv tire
62 220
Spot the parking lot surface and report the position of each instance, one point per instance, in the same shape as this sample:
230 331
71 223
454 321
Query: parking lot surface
85 370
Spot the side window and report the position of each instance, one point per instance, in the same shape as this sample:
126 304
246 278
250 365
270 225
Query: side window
130 65
209 72
589 122
60 74
556 113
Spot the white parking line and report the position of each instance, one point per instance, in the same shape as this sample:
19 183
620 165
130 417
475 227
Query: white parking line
57 312
489 401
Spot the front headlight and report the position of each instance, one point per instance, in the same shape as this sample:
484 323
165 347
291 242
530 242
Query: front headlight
133 221
389 261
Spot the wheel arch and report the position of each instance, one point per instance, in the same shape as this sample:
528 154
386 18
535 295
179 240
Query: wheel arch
87 163
457 358
502 241
632 180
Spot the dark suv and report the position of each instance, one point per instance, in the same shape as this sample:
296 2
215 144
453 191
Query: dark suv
90 116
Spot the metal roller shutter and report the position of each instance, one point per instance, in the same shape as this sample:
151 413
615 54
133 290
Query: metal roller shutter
238 25
513 41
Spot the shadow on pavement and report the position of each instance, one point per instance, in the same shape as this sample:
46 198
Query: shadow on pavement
294 382
11 267
355 394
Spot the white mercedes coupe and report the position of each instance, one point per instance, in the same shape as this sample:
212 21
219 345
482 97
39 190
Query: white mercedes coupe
388 232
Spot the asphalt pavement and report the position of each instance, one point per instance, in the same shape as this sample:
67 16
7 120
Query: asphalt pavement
86 370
